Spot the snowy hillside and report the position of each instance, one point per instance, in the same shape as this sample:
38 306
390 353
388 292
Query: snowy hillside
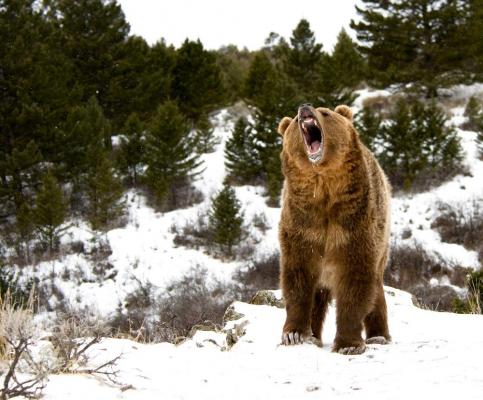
433 355
143 250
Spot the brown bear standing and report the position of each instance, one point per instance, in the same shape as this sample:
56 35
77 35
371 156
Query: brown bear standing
334 230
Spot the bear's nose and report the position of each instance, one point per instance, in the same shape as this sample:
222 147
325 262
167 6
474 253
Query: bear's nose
305 105
305 110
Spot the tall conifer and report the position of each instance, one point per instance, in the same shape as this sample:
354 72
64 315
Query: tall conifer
50 211
197 83
241 158
170 156
104 191
131 148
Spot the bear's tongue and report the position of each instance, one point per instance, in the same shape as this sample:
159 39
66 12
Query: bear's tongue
314 146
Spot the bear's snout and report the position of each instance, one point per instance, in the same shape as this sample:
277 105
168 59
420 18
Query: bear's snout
305 110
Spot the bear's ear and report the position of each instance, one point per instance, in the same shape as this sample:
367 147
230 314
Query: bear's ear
344 111
283 125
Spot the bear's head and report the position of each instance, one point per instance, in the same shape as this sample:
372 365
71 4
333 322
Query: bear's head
317 136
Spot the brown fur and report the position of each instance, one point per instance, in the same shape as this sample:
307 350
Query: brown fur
333 233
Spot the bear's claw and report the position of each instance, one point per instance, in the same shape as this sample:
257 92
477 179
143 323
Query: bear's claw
289 338
353 350
377 340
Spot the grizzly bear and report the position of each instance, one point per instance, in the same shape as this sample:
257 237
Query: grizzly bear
334 230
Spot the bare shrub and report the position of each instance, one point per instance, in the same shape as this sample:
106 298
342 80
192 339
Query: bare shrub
194 301
182 194
383 105
73 336
259 275
135 319
458 225
170 317
77 247
260 222
17 336
411 268
99 255
49 296
430 178
194 233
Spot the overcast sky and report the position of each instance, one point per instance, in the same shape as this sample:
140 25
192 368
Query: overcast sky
246 23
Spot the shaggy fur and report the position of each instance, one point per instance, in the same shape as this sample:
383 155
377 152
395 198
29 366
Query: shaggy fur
334 233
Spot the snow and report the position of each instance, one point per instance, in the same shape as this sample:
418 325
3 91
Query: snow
432 355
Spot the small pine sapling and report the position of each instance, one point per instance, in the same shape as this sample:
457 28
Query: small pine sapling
226 220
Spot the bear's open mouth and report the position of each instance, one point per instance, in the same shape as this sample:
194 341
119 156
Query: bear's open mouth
312 135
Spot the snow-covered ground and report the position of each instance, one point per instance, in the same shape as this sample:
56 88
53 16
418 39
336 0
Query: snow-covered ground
432 356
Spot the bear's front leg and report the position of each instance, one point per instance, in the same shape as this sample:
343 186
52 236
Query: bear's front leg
298 285
354 300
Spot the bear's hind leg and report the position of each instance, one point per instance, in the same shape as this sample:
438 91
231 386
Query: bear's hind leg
353 303
377 331
322 299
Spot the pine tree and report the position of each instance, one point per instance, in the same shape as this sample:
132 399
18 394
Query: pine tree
274 179
206 141
104 191
226 219
127 92
157 78
441 147
368 124
347 61
413 41
241 159
473 28
330 91
474 113
301 60
273 97
416 140
401 158
170 159
50 211
34 96
86 127
197 84
20 176
25 230
131 148
93 33
234 64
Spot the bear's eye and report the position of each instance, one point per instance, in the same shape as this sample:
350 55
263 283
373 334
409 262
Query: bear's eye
323 111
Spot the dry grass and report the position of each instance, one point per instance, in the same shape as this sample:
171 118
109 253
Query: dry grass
18 335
